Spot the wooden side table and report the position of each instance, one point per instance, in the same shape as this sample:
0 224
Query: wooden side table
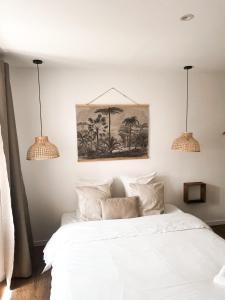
202 188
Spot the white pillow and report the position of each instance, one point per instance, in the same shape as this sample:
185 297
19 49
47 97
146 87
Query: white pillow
93 182
144 179
89 200
151 197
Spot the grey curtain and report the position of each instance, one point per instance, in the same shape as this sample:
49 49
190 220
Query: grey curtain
23 236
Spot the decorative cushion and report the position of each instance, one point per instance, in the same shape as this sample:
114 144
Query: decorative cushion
151 197
89 199
141 180
120 208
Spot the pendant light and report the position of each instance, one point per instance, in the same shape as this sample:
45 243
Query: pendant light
42 149
186 142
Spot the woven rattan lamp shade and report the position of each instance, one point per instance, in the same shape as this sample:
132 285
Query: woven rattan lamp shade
42 149
186 143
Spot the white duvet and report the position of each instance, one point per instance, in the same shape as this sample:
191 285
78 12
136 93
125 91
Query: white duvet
162 257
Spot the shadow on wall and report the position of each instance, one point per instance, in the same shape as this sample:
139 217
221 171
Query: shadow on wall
212 194
212 200
118 188
172 194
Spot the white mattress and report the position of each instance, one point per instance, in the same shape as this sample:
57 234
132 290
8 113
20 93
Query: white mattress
169 256
73 217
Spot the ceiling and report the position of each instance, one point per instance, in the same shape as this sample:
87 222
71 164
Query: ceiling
142 33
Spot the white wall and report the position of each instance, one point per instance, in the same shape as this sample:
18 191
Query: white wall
50 184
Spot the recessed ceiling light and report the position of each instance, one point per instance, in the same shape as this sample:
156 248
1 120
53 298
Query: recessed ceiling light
187 17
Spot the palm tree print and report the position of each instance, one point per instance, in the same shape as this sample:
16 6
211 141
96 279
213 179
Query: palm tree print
96 126
130 123
109 111
112 132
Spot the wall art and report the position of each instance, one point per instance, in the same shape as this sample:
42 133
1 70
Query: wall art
112 132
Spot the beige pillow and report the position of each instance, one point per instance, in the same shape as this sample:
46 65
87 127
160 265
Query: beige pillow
151 197
144 179
89 199
120 208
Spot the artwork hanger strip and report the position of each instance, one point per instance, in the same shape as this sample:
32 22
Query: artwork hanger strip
116 90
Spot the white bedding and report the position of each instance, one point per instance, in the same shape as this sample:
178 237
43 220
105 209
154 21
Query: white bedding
171 256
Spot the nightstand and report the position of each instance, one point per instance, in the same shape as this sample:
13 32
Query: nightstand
201 187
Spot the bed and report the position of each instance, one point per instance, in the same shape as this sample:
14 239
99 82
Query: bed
170 256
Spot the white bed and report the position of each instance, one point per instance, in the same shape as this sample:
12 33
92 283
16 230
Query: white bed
170 256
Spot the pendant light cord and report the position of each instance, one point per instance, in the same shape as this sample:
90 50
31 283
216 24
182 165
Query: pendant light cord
39 97
187 104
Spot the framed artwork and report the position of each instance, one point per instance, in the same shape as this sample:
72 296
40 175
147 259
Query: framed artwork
112 132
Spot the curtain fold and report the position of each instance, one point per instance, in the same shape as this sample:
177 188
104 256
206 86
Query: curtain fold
23 237
6 219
